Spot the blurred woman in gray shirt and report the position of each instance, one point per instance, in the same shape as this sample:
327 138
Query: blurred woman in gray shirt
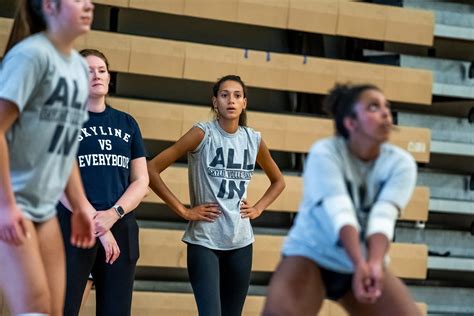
355 185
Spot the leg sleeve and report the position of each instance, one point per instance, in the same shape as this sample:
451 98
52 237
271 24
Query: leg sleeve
203 270
236 268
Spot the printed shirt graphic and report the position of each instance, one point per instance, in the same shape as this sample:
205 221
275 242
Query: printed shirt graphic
109 141
219 171
50 90
331 170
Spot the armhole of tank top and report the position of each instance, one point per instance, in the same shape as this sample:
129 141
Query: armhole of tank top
205 129
251 134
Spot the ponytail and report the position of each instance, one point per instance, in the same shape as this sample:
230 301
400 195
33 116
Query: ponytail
29 19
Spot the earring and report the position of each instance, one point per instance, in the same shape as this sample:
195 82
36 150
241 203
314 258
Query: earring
217 113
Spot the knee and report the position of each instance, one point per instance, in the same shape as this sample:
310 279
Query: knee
278 307
40 302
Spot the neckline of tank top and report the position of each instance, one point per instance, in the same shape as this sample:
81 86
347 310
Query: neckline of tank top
224 133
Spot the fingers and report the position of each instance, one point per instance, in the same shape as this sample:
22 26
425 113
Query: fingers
90 242
83 239
15 239
362 285
76 242
23 228
115 253
99 229
15 233
81 242
7 235
99 233
365 291
208 212
212 207
111 248
250 213
108 252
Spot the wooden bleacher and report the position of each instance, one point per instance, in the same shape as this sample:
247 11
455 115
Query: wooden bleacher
291 133
177 180
281 132
182 304
163 248
185 60
5 28
158 246
330 17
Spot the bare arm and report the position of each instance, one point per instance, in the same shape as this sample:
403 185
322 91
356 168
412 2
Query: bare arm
138 187
129 200
277 183
188 142
12 225
74 194
363 286
82 211
8 114
378 245
349 237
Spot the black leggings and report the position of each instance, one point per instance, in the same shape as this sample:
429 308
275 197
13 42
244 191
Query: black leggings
113 283
220 279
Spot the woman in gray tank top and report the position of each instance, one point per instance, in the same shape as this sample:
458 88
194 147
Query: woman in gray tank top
43 90
221 161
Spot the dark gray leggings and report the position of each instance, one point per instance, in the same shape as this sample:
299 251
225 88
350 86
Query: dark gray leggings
220 279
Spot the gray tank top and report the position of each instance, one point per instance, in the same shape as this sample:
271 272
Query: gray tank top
219 171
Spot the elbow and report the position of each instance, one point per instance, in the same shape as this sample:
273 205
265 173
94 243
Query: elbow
146 180
142 184
283 184
280 184
145 184
149 168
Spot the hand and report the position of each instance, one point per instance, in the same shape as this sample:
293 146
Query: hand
376 272
13 229
363 284
104 220
112 250
205 212
82 229
247 211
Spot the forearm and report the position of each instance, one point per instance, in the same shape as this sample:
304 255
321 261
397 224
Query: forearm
134 194
75 193
7 198
378 245
270 195
161 189
350 240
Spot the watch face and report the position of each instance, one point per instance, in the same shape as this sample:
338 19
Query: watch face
121 211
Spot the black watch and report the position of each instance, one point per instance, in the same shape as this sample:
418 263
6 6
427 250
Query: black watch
119 210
